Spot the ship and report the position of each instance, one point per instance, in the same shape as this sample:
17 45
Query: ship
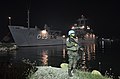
28 36
24 36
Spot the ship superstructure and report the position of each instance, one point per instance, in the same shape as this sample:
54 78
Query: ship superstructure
83 32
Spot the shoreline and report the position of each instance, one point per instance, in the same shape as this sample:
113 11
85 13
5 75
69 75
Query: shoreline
48 72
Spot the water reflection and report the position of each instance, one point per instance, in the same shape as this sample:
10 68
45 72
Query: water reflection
52 55
87 57
44 57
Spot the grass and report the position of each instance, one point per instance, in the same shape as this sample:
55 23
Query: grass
47 72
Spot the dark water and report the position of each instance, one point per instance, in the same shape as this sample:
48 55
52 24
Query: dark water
103 58
109 56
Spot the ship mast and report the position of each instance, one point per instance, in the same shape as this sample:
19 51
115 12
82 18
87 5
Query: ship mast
28 19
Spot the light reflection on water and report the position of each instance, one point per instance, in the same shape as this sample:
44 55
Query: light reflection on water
54 55
45 55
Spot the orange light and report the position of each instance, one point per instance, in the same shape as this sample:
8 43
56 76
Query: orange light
44 31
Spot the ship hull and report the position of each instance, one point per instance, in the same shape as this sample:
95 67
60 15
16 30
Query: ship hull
28 37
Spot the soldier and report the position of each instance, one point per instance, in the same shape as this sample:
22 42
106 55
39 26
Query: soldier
72 51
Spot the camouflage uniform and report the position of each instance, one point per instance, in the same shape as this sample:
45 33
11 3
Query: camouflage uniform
72 51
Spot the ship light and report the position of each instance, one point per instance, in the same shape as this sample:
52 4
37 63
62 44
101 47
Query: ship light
44 31
88 27
73 27
63 36
9 20
82 27
9 17
44 34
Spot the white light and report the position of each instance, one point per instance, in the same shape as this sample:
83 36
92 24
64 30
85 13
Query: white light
9 17
88 27
75 24
73 27
44 34
82 27
63 36
44 31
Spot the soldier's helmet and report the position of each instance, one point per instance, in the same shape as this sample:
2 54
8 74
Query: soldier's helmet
71 32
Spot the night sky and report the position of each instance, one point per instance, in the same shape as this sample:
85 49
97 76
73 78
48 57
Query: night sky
103 15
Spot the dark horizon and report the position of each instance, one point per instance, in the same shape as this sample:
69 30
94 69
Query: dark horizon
103 16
